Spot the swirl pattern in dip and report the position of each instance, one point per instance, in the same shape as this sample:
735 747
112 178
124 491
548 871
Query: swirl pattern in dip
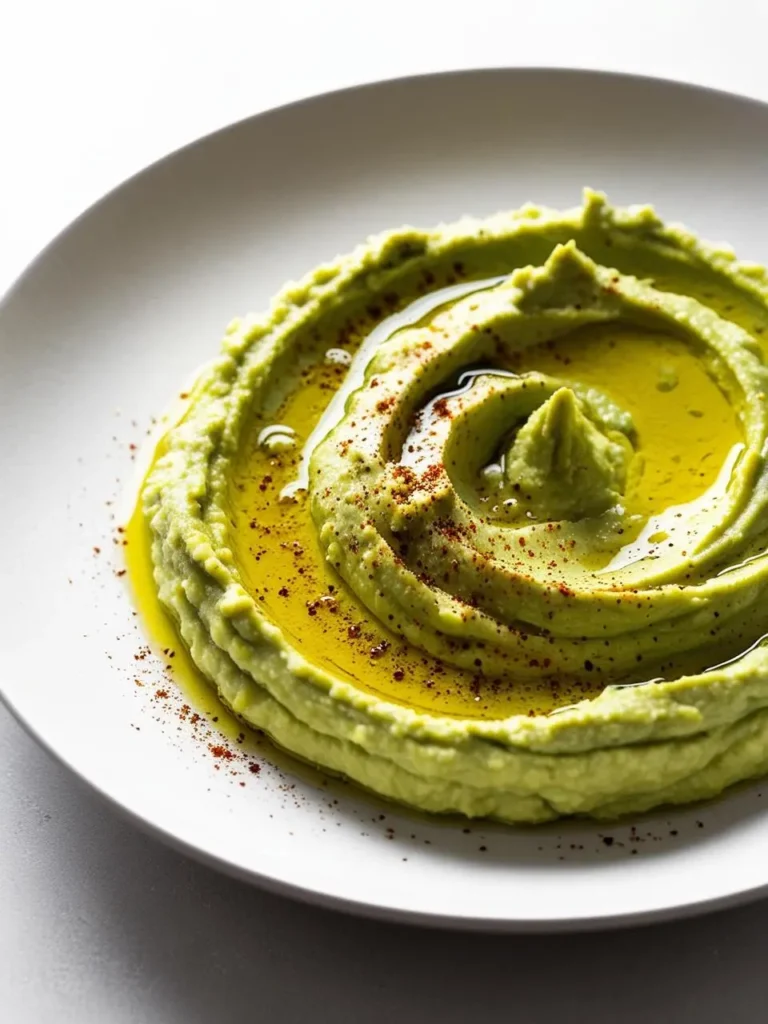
477 516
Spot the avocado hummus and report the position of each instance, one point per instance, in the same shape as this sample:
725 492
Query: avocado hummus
478 517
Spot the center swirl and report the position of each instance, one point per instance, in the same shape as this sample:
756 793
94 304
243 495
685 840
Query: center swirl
480 506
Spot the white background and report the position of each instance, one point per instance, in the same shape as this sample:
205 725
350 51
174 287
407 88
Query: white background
99 923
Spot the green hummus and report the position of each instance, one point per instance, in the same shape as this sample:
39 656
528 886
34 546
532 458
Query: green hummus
478 516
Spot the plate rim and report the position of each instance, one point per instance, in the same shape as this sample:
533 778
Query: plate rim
314 895
368 84
378 911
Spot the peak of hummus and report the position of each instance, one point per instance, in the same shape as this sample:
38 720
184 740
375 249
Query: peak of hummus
562 465
567 280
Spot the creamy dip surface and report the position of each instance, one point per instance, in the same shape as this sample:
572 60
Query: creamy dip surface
477 516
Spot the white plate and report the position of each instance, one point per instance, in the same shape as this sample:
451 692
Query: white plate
110 320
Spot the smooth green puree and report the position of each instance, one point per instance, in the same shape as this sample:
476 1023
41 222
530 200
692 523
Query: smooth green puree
477 516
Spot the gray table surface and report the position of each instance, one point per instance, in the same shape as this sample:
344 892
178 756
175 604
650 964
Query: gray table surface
133 931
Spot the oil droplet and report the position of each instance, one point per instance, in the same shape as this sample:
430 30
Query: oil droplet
277 438
339 356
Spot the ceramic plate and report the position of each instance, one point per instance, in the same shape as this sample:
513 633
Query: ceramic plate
111 319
